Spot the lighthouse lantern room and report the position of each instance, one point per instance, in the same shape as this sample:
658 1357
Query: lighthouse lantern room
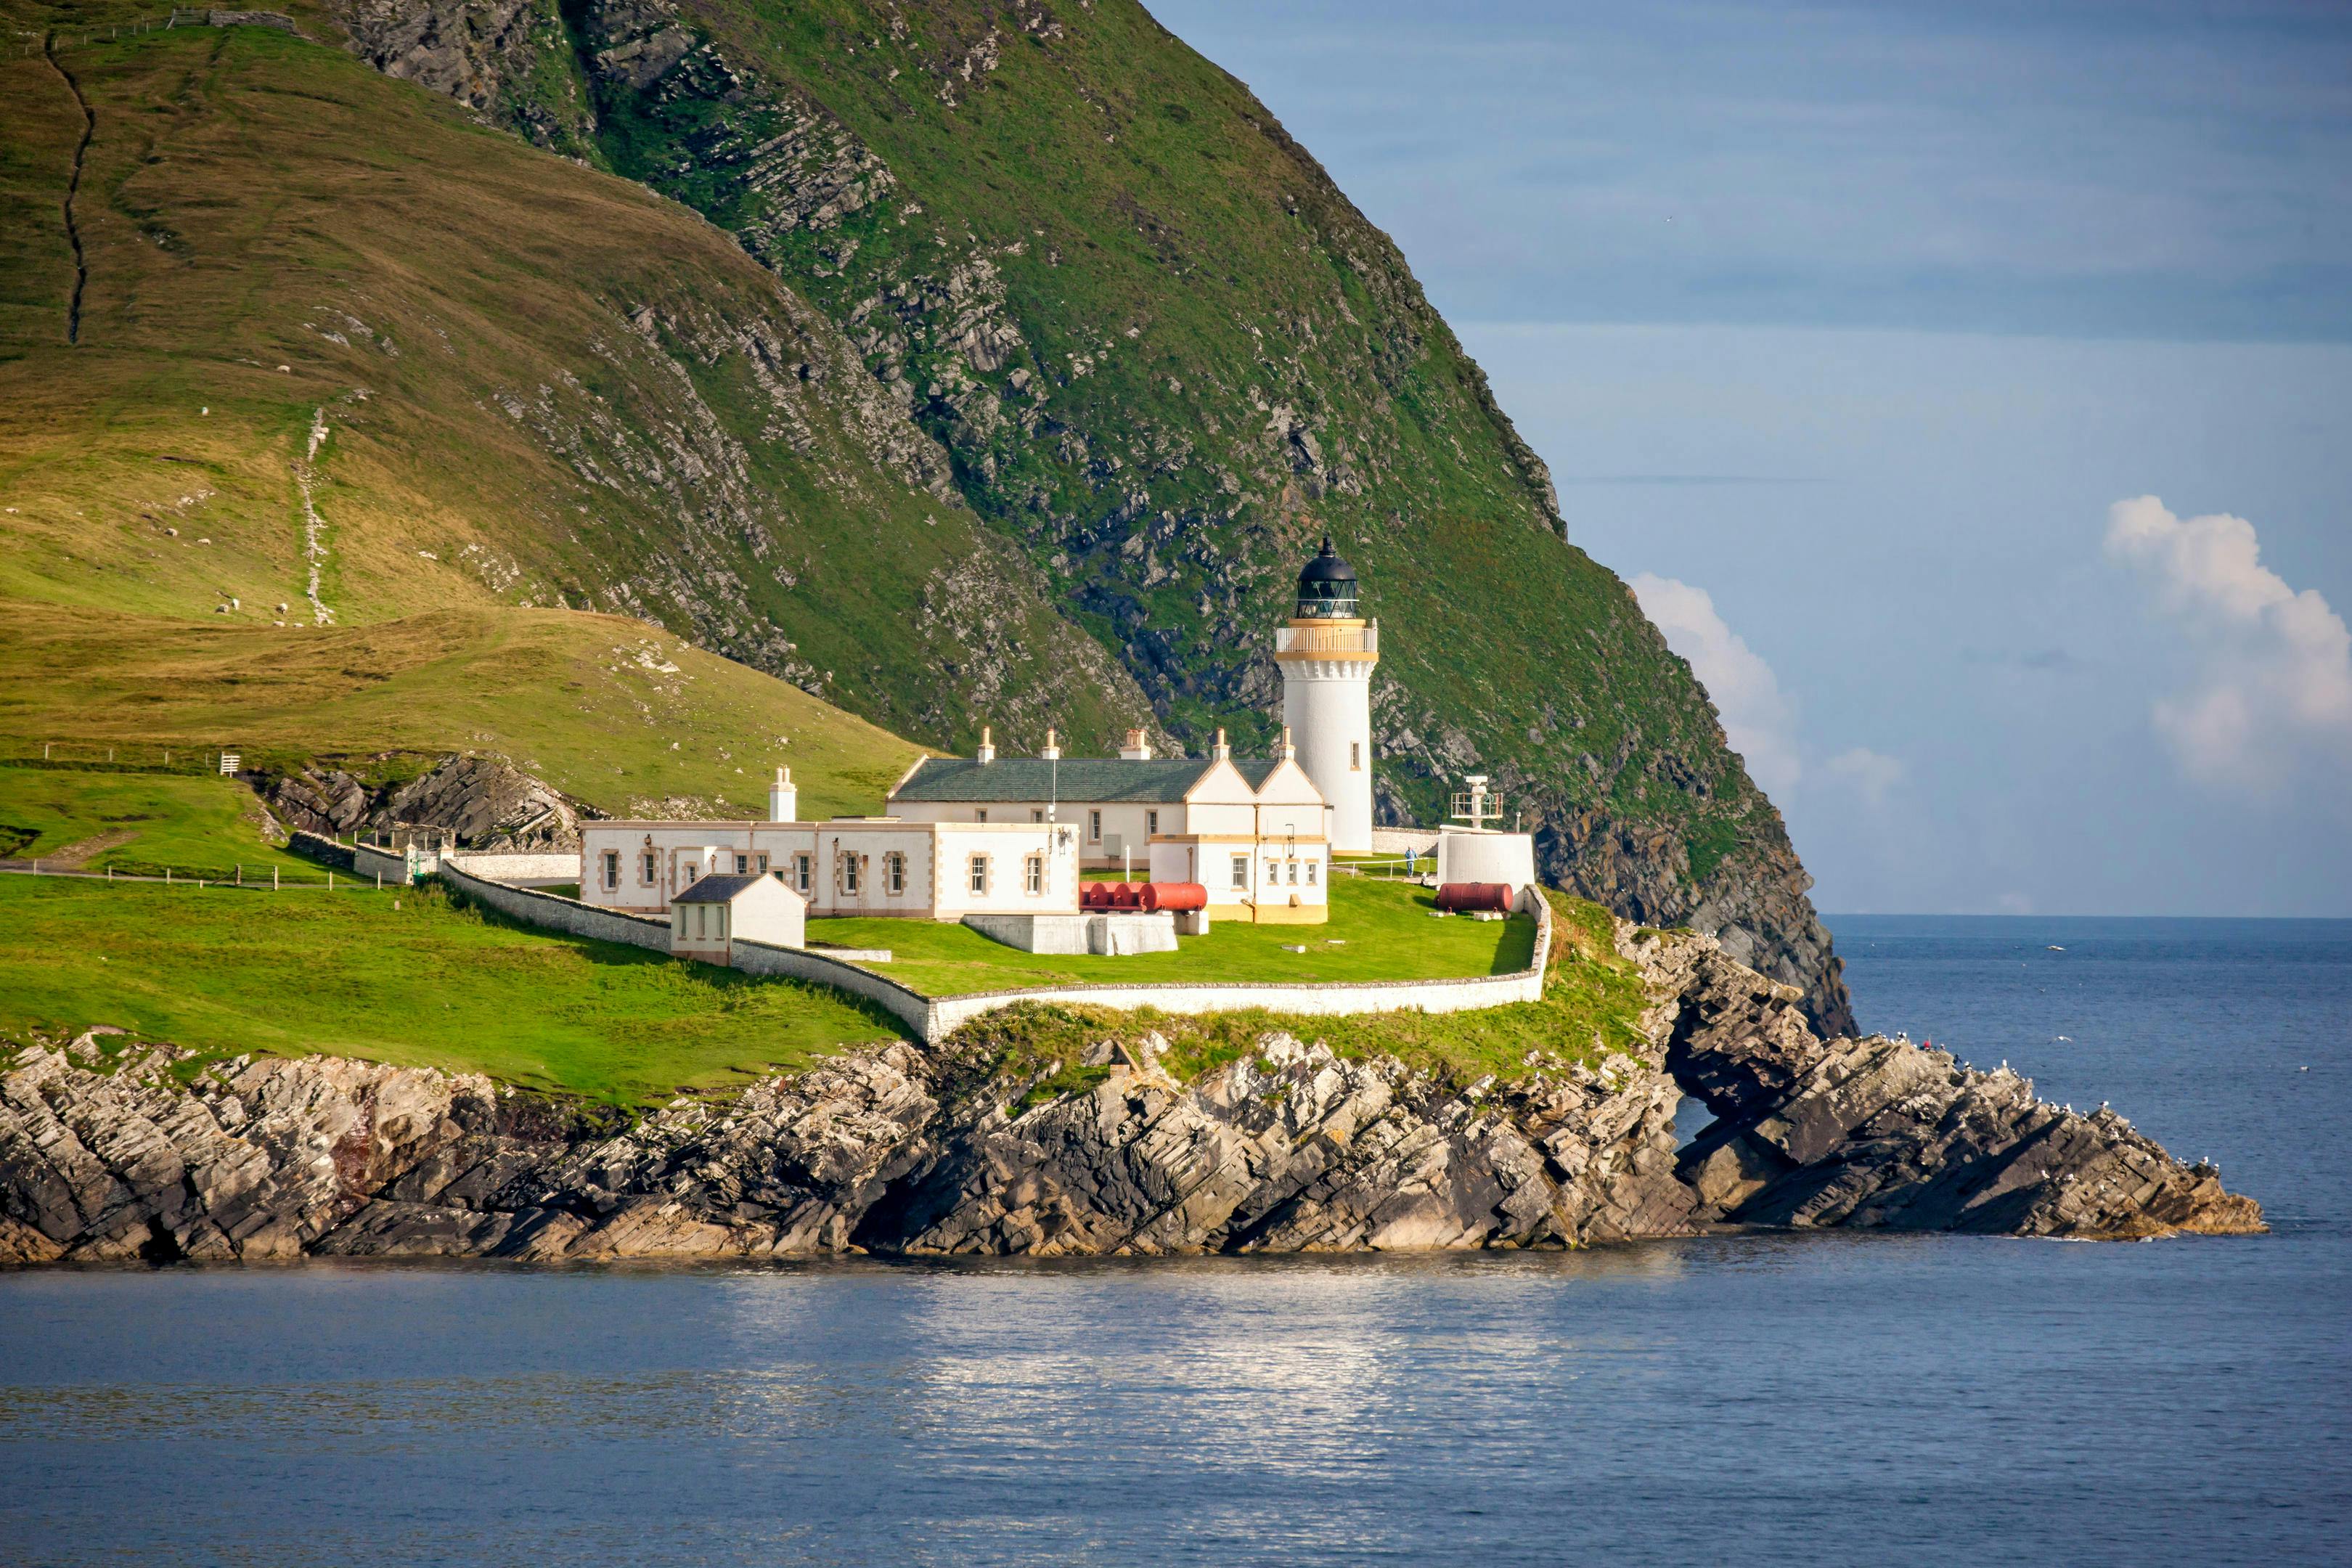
1326 653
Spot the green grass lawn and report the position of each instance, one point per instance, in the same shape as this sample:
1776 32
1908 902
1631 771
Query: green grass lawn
1377 930
197 826
220 972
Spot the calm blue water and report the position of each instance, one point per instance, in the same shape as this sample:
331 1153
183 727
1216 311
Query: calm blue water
1824 1399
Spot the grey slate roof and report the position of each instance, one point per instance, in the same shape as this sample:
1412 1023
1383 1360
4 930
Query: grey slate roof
720 887
1079 780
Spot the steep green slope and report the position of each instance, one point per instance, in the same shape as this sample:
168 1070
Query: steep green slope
1062 356
491 377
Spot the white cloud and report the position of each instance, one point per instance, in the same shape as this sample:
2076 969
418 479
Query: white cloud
1757 716
2275 686
1872 774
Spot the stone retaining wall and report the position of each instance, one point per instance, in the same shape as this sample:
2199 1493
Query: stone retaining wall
320 848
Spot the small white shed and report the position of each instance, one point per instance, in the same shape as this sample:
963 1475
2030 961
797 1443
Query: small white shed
707 919
1485 855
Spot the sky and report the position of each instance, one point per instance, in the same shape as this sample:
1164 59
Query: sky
1965 390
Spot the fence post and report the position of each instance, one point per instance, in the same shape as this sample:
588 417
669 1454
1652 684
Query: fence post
167 876
240 873
330 881
273 878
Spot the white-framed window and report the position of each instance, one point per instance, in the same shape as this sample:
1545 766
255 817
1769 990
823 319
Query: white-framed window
1150 822
764 865
1241 871
612 858
1273 873
894 873
980 815
702 920
980 874
804 872
1311 865
1094 828
647 869
1356 756
850 872
1033 875
742 864
687 875
1037 813
1293 872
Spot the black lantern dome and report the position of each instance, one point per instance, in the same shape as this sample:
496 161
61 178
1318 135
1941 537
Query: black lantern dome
1326 588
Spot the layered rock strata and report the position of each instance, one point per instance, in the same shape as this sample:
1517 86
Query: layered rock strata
107 1153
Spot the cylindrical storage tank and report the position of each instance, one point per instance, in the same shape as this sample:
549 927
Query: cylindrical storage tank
1460 897
1468 857
1126 895
1175 896
1094 895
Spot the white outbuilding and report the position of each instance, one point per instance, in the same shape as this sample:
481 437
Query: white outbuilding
708 918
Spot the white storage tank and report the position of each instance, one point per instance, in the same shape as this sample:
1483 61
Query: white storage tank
1483 855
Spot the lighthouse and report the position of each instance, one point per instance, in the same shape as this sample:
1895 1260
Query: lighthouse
1326 653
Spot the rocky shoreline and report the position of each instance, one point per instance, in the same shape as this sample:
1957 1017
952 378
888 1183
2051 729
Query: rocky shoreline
106 1153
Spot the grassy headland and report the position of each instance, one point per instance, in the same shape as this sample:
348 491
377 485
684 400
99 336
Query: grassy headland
404 978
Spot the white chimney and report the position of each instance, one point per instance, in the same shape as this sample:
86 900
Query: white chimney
1289 751
1053 750
1136 749
784 798
1222 752
987 753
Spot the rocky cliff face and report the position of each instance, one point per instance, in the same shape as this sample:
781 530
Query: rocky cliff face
107 1153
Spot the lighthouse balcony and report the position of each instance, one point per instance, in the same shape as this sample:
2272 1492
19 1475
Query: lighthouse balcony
1328 642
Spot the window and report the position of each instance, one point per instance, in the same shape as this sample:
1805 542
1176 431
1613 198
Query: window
1094 828
742 864
1273 873
650 864
1150 822
1356 756
979 873
764 865
1311 871
980 815
702 920
850 872
894 874
1294 873
801 874
690 873
612 869
1038 815
1033 875
1241 871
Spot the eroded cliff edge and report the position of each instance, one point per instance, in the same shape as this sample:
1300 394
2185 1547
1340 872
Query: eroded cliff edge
115 1149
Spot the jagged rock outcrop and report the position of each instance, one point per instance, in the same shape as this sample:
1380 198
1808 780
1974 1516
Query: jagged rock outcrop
1888 1134
480 803
969 1148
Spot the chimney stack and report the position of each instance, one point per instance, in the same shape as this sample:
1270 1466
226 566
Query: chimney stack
1053 748
784 798
1136 749
987 753
1289 753
1223 752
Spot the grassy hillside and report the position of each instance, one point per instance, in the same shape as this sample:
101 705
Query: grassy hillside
492 377
222 971
609 711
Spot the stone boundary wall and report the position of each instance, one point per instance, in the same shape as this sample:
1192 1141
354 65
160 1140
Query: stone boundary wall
933 1018
555 912
320 848
1319 999
1397 840
392 864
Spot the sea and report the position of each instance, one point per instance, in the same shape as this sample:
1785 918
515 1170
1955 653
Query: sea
1755 1399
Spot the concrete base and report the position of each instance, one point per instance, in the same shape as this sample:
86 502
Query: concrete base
1110 934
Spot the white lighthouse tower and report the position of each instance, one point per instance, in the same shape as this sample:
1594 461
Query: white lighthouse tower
1327 654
